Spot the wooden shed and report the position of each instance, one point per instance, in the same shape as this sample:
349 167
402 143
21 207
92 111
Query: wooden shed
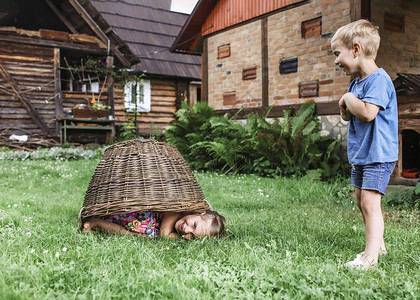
257 54
40 42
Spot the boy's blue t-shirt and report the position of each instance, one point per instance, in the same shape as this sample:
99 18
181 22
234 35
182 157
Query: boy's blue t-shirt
375 141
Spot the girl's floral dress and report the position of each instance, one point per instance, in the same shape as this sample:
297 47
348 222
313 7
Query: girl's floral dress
144 223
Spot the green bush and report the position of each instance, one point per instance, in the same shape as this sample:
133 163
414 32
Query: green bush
54 153
289 147
403 199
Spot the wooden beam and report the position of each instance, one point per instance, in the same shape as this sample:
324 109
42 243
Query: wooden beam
61 16
51 43
205 72
322 109
264 63
98 31
26 103
57 88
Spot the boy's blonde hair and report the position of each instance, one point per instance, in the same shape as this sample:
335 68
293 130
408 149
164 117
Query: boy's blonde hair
362 32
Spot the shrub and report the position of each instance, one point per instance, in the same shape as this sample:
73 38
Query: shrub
54 153
220 143
407 199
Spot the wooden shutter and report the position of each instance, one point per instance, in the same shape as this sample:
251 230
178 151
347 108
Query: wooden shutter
308 89
229 98
223 51
312 28
249 73
394 22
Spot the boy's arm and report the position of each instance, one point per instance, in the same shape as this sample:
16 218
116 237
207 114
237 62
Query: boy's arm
364 111
167 226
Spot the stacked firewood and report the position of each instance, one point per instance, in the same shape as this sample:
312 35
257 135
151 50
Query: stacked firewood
33 142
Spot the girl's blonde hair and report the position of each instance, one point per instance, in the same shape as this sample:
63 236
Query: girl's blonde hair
217 225
362 32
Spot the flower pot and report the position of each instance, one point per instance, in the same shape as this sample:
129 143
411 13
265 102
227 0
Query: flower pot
90 113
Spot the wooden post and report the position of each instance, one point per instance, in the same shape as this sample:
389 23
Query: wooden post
264 64
110 85
57 88
205 72
360 9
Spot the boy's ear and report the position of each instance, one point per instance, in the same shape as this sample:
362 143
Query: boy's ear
356 49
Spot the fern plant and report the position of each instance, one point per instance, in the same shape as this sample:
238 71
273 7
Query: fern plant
288 147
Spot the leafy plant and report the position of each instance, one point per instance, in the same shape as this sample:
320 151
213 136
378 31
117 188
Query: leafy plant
288 147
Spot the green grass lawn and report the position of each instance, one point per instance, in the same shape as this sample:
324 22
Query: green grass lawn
286 239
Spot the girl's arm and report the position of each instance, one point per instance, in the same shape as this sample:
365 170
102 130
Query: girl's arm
93 223
364 111
167 226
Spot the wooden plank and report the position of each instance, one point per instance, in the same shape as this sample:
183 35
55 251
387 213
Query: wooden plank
26 58
26 103
52 43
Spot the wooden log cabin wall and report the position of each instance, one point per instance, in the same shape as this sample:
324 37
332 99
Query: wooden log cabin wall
32 70
163 105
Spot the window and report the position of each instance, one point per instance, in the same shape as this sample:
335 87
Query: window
137 96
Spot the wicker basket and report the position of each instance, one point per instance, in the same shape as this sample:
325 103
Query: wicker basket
142 175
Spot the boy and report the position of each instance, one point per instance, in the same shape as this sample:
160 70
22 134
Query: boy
372 148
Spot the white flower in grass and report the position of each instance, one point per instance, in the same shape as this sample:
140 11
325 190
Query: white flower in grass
28 234
45 251
57 254
64 249
32 250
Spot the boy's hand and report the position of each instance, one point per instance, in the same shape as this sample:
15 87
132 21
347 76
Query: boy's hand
344 112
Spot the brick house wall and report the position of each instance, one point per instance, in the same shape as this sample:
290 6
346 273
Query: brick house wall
399 51
225 74
315 60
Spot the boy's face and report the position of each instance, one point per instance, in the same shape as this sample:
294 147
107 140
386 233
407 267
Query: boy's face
194 224
344 57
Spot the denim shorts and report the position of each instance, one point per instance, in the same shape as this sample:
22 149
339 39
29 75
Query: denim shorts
372 177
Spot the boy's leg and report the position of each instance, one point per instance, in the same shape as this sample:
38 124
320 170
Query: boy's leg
374 225
358 193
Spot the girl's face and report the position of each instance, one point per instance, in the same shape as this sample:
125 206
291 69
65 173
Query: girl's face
344 57
194 224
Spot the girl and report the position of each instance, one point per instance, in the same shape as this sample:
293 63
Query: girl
167 224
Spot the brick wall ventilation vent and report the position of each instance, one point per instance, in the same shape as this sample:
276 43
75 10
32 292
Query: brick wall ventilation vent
308 89
249 73
223 51
229 98
288 65
312 28
394 22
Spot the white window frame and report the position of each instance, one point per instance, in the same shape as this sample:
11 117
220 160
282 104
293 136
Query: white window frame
143 96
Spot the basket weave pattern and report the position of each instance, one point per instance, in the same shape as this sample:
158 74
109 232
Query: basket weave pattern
142 175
